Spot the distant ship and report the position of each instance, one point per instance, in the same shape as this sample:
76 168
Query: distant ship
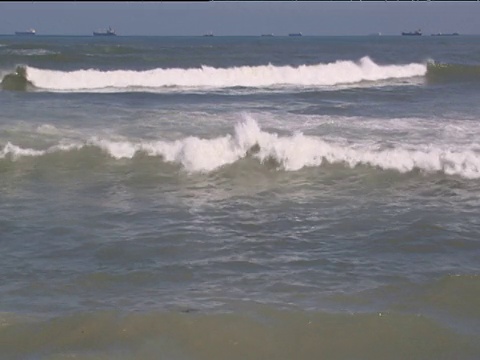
414 33
27 32
208 34
448 34
108 32
295 34
267 34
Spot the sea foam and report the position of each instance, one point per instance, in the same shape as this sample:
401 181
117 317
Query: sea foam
291 153
335 73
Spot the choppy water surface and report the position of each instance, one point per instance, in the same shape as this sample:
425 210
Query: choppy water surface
234 198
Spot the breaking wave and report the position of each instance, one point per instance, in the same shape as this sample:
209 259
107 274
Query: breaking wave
290 153
339 72
16 81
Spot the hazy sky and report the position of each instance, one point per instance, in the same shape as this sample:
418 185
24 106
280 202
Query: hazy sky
242 18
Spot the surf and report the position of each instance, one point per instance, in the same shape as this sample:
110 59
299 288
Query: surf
322 74
17 81
292 152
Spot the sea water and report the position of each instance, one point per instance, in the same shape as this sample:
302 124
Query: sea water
240 197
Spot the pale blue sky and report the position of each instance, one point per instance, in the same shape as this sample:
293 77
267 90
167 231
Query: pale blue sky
241 18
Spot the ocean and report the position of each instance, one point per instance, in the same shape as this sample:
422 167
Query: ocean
189 198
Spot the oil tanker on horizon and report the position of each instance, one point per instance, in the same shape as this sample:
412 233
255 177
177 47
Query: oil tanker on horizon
107 32
413 33
26 32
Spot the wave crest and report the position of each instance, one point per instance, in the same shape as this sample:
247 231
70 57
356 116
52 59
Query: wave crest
16 81
290 153
339 72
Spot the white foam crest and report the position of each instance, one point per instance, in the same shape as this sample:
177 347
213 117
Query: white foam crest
299 151
16 151
194 154
47 129
32 52
292 152
339 72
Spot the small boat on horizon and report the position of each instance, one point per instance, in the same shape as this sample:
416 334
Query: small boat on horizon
413 33
271 34
295 34
210 34
27 32
108 32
